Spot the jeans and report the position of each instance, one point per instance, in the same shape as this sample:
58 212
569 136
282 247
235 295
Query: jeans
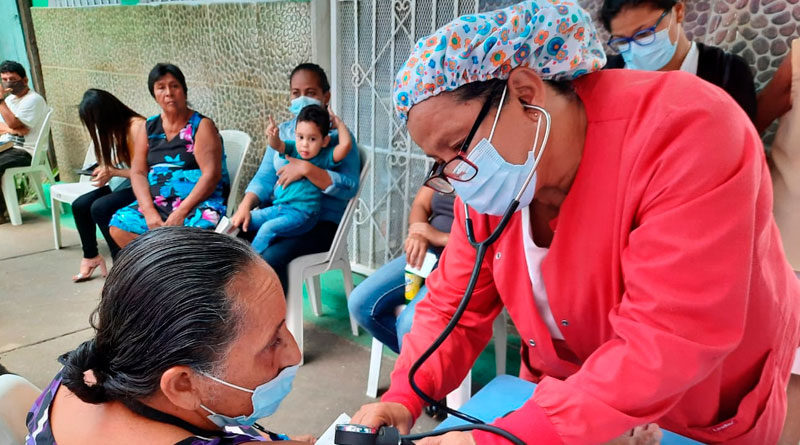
281 220
373 304
13 157
97 207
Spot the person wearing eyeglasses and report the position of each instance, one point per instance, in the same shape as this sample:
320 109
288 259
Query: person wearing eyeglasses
637 253
648 35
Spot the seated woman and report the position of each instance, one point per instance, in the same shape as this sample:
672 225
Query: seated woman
375 301
648 35
308 85
178 172
113 127
195 359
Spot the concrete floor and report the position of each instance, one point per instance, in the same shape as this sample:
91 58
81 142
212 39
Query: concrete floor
43 314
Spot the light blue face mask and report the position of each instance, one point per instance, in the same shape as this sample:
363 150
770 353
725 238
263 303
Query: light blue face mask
654 56
301 102
498 181
266 398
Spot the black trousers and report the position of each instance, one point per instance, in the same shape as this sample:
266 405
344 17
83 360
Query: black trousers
97 207
13 157
283 250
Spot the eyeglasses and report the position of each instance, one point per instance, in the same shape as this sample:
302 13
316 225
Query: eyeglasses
459 168
642 38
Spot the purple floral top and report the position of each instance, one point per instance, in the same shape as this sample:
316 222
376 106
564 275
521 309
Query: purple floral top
40 433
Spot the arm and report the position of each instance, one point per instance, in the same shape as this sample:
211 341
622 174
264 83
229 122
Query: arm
340 182
12 124
669 334
421 212
140 183
345 143
208 152
273 137
774 100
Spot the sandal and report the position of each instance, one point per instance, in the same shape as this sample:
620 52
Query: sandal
88 265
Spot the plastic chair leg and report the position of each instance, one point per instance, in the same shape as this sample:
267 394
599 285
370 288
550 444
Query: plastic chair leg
55 207
10 196
375 356
314 289
36 179
294 311
347 276
500 342
459 396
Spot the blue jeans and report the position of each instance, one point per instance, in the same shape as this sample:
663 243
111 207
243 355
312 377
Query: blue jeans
281 220
373 303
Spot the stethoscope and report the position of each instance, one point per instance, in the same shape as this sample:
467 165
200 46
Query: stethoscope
481 248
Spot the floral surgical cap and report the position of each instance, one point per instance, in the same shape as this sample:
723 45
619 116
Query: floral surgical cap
555 38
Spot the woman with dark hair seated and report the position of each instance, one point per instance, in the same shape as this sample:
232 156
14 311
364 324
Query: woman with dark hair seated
113 127
178 172
195 359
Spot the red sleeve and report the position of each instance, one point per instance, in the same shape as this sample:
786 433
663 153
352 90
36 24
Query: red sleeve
448 366
686 265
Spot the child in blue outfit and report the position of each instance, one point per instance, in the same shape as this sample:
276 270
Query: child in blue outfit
295 207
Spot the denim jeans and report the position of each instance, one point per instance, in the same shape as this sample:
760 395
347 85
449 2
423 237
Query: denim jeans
374 301
281 220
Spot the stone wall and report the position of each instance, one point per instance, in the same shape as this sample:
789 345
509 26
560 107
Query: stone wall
236 58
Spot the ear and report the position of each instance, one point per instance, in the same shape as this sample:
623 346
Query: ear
326 141
525 86
680 11
326 98
179 384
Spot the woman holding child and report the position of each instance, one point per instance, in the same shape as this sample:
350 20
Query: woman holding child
178 172
337 183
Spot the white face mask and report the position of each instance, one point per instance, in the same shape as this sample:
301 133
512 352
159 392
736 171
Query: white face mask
498 181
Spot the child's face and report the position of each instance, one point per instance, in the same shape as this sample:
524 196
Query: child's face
309 139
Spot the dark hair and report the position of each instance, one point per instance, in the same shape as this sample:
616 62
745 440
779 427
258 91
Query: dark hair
108 121
494 88
317 115
9 66
317 70
161 70
611 8
165 303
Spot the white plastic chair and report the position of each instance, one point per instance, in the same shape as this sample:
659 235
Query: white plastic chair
460 395
39 167
237 143
16 399
308 268
68 193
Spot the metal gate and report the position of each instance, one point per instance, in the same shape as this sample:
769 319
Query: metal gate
371 40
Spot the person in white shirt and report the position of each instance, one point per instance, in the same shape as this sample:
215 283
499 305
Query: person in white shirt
22 113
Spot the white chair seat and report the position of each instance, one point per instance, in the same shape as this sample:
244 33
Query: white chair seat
69 192
16 399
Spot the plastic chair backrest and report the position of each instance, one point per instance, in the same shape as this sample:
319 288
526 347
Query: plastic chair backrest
16 399
347 216
42 142
236 145
88 160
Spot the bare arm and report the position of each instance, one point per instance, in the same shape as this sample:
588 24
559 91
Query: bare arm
15 125
273 137
421 211
345 143
299 168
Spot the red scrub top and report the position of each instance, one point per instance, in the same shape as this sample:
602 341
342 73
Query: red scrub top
666 277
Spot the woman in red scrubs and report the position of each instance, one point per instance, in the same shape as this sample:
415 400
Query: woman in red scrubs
643 269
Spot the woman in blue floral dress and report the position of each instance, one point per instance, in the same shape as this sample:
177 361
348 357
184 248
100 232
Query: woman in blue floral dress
179 175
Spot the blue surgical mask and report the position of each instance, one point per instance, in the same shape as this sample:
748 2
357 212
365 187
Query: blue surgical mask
498 181
266 398
651 57
301 102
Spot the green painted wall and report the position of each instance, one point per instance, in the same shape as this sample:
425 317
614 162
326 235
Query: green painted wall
236 58
12 40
